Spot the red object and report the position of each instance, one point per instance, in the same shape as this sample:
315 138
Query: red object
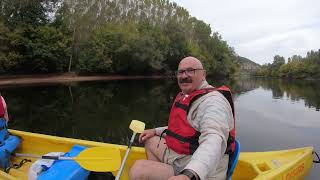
1 108
181 137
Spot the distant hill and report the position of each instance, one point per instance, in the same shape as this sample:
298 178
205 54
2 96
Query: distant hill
246 65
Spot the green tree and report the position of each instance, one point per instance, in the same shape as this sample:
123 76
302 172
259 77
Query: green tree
9 52
104 36
48 50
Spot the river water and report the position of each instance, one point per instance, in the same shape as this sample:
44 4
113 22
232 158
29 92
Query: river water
271 114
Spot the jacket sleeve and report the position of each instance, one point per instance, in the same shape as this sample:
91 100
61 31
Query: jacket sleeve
213 118
159 130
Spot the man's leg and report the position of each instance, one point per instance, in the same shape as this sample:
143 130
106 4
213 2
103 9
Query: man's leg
152 168
155 148
147 169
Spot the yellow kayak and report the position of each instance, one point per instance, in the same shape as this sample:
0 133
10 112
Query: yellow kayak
282 165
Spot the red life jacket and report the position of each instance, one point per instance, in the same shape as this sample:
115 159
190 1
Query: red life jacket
1 108
181 137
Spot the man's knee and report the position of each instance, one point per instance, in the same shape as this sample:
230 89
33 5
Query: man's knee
137 171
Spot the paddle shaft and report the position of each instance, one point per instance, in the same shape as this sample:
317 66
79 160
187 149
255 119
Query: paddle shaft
60 157
44 157
126 156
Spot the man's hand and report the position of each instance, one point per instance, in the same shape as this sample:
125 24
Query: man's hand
179 177
146 134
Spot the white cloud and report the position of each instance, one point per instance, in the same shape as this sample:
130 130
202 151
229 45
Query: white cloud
261 29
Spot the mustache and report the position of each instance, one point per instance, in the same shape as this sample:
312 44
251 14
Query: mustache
185 80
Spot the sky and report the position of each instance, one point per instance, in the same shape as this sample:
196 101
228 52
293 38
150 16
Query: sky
261 29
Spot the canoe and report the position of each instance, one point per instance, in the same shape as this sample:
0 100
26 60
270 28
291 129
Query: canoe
284 164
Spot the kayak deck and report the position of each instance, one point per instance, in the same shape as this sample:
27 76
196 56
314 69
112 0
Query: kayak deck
285 164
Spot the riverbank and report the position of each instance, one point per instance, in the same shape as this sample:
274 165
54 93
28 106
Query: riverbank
63 78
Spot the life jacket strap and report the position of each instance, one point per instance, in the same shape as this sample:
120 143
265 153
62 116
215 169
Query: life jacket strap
182 106
192 140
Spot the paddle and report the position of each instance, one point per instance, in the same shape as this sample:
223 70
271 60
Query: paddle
98 159
137 127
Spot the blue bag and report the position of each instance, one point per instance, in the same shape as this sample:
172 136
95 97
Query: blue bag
8 143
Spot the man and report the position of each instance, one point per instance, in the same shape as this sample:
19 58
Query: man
198 134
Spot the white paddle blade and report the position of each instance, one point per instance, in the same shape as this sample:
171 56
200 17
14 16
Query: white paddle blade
137 126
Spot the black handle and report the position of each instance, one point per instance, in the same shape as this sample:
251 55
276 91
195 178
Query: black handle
50 157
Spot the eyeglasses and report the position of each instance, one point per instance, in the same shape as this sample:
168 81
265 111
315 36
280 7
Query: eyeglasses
189 72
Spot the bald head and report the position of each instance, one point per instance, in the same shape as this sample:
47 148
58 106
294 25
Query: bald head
192 61
190 74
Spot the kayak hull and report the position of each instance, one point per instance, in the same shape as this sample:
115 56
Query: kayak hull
285 164
278 165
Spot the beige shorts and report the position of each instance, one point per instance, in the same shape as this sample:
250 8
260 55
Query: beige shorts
180 161
177 161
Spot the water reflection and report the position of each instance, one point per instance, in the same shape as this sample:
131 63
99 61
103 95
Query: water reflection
67 109
98 111
293 90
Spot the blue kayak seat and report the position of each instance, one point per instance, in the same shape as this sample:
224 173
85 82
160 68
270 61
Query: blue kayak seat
233 160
